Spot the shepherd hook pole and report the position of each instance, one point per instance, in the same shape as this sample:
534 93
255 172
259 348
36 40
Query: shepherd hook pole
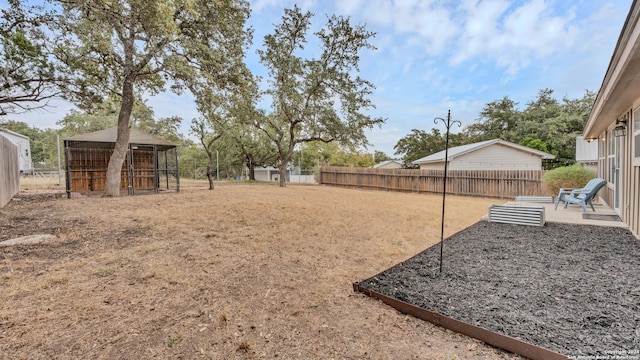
448 124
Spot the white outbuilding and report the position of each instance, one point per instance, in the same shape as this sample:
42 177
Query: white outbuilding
24 149
494 154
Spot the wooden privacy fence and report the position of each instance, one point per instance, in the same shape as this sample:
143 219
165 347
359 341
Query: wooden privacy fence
490 183
9 170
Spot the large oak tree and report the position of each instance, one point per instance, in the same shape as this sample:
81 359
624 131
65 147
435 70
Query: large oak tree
131 48
28 77
319 98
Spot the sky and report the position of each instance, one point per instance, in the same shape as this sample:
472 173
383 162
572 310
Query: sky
436 55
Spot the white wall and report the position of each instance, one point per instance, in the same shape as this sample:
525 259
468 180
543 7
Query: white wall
586 151
24 149
9 172
261 175
494 157
433 166
302 179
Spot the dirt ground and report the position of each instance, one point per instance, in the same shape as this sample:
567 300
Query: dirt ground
244 271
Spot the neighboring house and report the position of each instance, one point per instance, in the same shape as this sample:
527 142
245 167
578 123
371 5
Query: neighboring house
615 121
269 173
24 149
389 164
486 155
587 153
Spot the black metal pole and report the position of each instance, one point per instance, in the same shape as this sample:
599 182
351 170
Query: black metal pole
448 124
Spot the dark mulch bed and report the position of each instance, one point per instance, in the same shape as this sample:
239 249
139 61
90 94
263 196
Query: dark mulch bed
571 289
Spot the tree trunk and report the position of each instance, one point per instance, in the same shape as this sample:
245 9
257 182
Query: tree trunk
283 165
210 173
283 169
252 170
283 176
114 169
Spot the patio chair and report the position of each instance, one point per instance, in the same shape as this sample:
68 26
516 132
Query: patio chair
581 196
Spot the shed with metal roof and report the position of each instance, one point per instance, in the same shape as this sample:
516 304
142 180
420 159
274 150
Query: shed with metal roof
151 164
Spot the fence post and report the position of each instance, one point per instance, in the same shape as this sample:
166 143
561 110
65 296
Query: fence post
456 185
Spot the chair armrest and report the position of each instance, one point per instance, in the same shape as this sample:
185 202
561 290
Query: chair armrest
567 189
576 192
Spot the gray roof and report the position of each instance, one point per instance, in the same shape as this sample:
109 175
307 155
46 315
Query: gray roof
136 136
387 162
464 149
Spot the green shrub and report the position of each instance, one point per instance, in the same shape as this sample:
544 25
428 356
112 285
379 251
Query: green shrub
574 176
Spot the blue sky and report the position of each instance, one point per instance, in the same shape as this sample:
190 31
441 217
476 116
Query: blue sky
435 55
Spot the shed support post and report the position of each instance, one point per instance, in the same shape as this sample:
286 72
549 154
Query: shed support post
67 155
177 171
130 170
156 163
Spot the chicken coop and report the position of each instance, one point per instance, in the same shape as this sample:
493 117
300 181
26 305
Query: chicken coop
151 165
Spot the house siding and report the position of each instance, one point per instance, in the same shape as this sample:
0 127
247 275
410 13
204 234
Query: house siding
629 208
433 166
631 179
630 187
634 199
587 153
494 157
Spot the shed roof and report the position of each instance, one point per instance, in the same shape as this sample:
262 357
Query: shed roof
13 133
465 149
108 136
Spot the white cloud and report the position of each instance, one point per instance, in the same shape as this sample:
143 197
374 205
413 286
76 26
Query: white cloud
349 7
424 22
480 24
510 35
514 37
258 6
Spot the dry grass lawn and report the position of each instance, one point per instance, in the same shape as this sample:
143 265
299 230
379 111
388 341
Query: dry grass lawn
244 271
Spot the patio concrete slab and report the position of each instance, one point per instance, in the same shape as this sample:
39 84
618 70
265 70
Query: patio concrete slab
573 214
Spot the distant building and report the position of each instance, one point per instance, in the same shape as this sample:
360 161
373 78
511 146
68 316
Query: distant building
389 164
24 149
269 173
486 155
587 153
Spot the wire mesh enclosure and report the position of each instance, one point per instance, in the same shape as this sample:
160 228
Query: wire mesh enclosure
151 164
